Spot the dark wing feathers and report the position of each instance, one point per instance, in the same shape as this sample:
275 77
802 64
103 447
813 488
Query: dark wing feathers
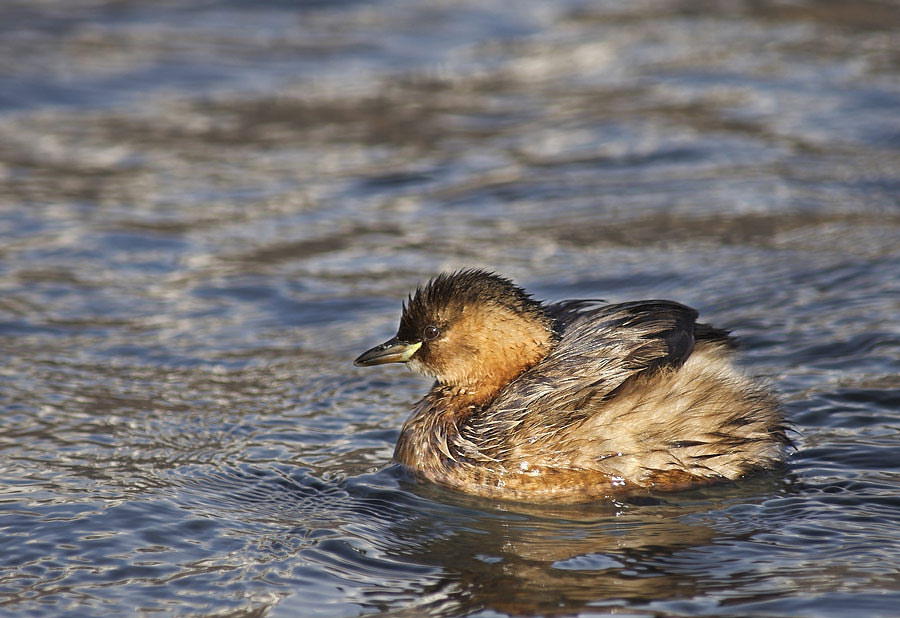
662 330
705 332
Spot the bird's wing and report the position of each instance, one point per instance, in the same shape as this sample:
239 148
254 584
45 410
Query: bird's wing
601 347
604 345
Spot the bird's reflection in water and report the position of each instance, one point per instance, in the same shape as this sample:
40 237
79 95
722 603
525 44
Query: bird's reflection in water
523 560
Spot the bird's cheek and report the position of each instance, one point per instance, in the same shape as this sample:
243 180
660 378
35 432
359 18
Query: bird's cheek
415 365
425 363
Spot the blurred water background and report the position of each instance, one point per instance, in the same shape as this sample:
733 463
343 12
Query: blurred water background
209 207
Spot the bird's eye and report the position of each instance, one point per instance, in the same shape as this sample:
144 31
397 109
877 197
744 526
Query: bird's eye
430 332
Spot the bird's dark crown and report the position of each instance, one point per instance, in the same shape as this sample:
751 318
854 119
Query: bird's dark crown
446 296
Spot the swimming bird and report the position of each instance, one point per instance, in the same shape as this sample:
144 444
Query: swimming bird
574 400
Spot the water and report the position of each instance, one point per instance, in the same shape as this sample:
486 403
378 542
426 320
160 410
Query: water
210 208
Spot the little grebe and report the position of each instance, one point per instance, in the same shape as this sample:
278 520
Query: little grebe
574 400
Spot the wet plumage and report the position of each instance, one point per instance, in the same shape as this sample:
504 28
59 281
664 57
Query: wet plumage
573 400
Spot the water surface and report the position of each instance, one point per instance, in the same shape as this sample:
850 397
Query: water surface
208 209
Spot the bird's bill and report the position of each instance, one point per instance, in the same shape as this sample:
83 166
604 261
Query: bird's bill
392 351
